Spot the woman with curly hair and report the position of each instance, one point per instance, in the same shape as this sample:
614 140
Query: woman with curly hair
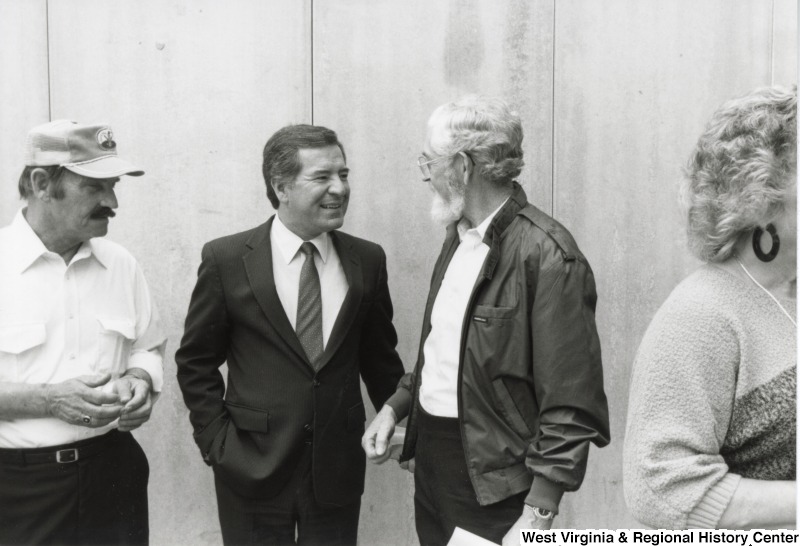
711 434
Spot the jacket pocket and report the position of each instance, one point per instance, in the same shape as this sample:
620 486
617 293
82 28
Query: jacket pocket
16 339
115 339
211 439
508 409
485 313
356 416
495 341
247 418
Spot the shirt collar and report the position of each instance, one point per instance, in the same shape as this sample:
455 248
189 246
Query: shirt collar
91 249
480 231
288 242
28 247
26 244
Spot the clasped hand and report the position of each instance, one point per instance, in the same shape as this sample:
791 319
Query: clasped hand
127 399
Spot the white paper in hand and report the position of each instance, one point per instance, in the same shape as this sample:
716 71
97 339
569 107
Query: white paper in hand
465 538
396 443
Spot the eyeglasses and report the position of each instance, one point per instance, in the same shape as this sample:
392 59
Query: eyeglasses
424 164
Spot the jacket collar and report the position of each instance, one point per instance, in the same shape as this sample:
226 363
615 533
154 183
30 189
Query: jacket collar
258 265
505 215
494 234
351 263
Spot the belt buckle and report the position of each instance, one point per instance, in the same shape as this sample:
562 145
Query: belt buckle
67 455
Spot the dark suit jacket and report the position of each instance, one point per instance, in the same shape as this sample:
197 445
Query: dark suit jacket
275 402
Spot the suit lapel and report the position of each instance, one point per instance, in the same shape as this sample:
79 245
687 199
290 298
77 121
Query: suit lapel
351 263
258 265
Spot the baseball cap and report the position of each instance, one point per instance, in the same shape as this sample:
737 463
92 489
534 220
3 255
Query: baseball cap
88 150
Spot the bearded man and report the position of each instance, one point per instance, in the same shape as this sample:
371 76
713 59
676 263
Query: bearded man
507 393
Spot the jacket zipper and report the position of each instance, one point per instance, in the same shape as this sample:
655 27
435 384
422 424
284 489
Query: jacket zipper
459 396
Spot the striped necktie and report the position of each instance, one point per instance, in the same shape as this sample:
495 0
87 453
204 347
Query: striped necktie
309 307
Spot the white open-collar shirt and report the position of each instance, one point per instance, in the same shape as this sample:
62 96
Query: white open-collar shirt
439 389
287 262
59 321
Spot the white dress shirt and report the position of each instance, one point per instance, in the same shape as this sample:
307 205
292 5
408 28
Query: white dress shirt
438 393
60 321
287 261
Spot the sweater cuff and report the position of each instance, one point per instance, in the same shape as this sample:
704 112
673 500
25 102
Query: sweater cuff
400 402
544 494
707 513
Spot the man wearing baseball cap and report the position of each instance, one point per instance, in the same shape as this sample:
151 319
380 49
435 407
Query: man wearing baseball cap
81 351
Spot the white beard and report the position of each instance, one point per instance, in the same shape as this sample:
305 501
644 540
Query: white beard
446 212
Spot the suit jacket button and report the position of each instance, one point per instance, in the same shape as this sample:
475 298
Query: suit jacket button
308 428
315 383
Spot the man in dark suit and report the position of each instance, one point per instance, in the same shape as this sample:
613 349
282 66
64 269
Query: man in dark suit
298 311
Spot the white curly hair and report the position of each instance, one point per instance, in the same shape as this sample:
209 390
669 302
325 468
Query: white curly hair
484 127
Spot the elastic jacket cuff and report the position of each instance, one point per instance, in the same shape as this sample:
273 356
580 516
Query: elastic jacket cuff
400 402
707 513
545 494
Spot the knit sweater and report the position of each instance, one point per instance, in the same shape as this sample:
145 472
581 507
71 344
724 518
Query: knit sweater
712 400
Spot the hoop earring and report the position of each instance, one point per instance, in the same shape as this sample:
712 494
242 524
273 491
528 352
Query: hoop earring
776 243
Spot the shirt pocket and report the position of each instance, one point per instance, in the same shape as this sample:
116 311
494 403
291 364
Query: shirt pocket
15 340
114 341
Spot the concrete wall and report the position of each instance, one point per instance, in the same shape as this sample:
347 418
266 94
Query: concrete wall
613 95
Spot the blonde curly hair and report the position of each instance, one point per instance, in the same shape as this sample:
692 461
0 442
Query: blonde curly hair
484 127
740 171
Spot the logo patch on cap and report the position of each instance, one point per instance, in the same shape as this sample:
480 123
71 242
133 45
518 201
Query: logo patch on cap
106 139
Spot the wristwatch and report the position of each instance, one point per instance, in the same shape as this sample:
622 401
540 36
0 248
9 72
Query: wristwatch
542 513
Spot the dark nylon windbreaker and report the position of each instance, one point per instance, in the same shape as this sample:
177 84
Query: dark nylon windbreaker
530 389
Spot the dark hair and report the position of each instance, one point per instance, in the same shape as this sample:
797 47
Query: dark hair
281 161
54 173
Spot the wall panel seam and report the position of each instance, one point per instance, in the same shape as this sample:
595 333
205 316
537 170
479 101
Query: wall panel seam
772 46
553 122
49 73
311 33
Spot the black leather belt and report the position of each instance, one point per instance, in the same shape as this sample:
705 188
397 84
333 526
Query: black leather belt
67 453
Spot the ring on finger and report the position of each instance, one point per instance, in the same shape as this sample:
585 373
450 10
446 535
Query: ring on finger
86 419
